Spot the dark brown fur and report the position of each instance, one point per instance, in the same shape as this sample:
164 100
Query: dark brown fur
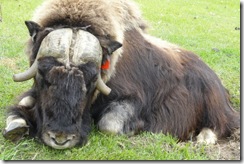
176 95
156 86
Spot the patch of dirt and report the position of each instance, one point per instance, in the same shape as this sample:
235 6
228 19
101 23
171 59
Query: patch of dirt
225 149
228 149
8 62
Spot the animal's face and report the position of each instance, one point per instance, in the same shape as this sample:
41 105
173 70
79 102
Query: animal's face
66 66
64 98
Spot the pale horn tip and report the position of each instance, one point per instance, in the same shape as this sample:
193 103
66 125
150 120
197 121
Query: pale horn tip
102 87
28 74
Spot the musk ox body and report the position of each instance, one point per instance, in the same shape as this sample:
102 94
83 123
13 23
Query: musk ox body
151 85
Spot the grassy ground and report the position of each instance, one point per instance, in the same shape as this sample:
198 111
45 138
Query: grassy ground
209 28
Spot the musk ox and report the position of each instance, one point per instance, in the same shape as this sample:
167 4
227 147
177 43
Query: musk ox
92 61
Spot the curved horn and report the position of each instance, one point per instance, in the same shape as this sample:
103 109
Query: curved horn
102 87
28 74
55 44
92 51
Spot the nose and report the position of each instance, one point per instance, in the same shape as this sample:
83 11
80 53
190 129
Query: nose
61 138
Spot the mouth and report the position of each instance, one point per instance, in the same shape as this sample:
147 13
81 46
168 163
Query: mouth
62 143
52 143
59 142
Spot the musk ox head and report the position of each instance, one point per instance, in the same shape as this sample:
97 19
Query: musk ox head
66 71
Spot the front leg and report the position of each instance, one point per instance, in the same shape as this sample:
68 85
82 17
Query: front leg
16 128
120 118
19 118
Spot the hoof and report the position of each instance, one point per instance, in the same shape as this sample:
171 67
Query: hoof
15 131
207 136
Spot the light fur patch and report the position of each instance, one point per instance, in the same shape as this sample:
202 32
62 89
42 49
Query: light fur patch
172 49
27 101
207 136
113 122
111 17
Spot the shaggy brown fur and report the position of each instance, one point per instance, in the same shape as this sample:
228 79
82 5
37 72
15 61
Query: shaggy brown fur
156 86
106 17
168 89
184 75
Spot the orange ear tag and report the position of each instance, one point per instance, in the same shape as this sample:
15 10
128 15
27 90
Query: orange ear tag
105 65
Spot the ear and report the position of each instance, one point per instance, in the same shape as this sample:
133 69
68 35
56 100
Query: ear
113 46
108 48
108 45
33 28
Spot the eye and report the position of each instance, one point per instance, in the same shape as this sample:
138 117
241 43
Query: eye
94 78
47 84
90 72
45 64
41 81
90 82
73 121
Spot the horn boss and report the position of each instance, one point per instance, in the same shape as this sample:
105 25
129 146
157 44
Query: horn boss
69 46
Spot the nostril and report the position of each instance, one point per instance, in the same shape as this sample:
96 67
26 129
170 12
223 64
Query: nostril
71 137
53 139
51 134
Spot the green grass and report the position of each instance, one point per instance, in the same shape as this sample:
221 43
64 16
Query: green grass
146 146
208 28
203 27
